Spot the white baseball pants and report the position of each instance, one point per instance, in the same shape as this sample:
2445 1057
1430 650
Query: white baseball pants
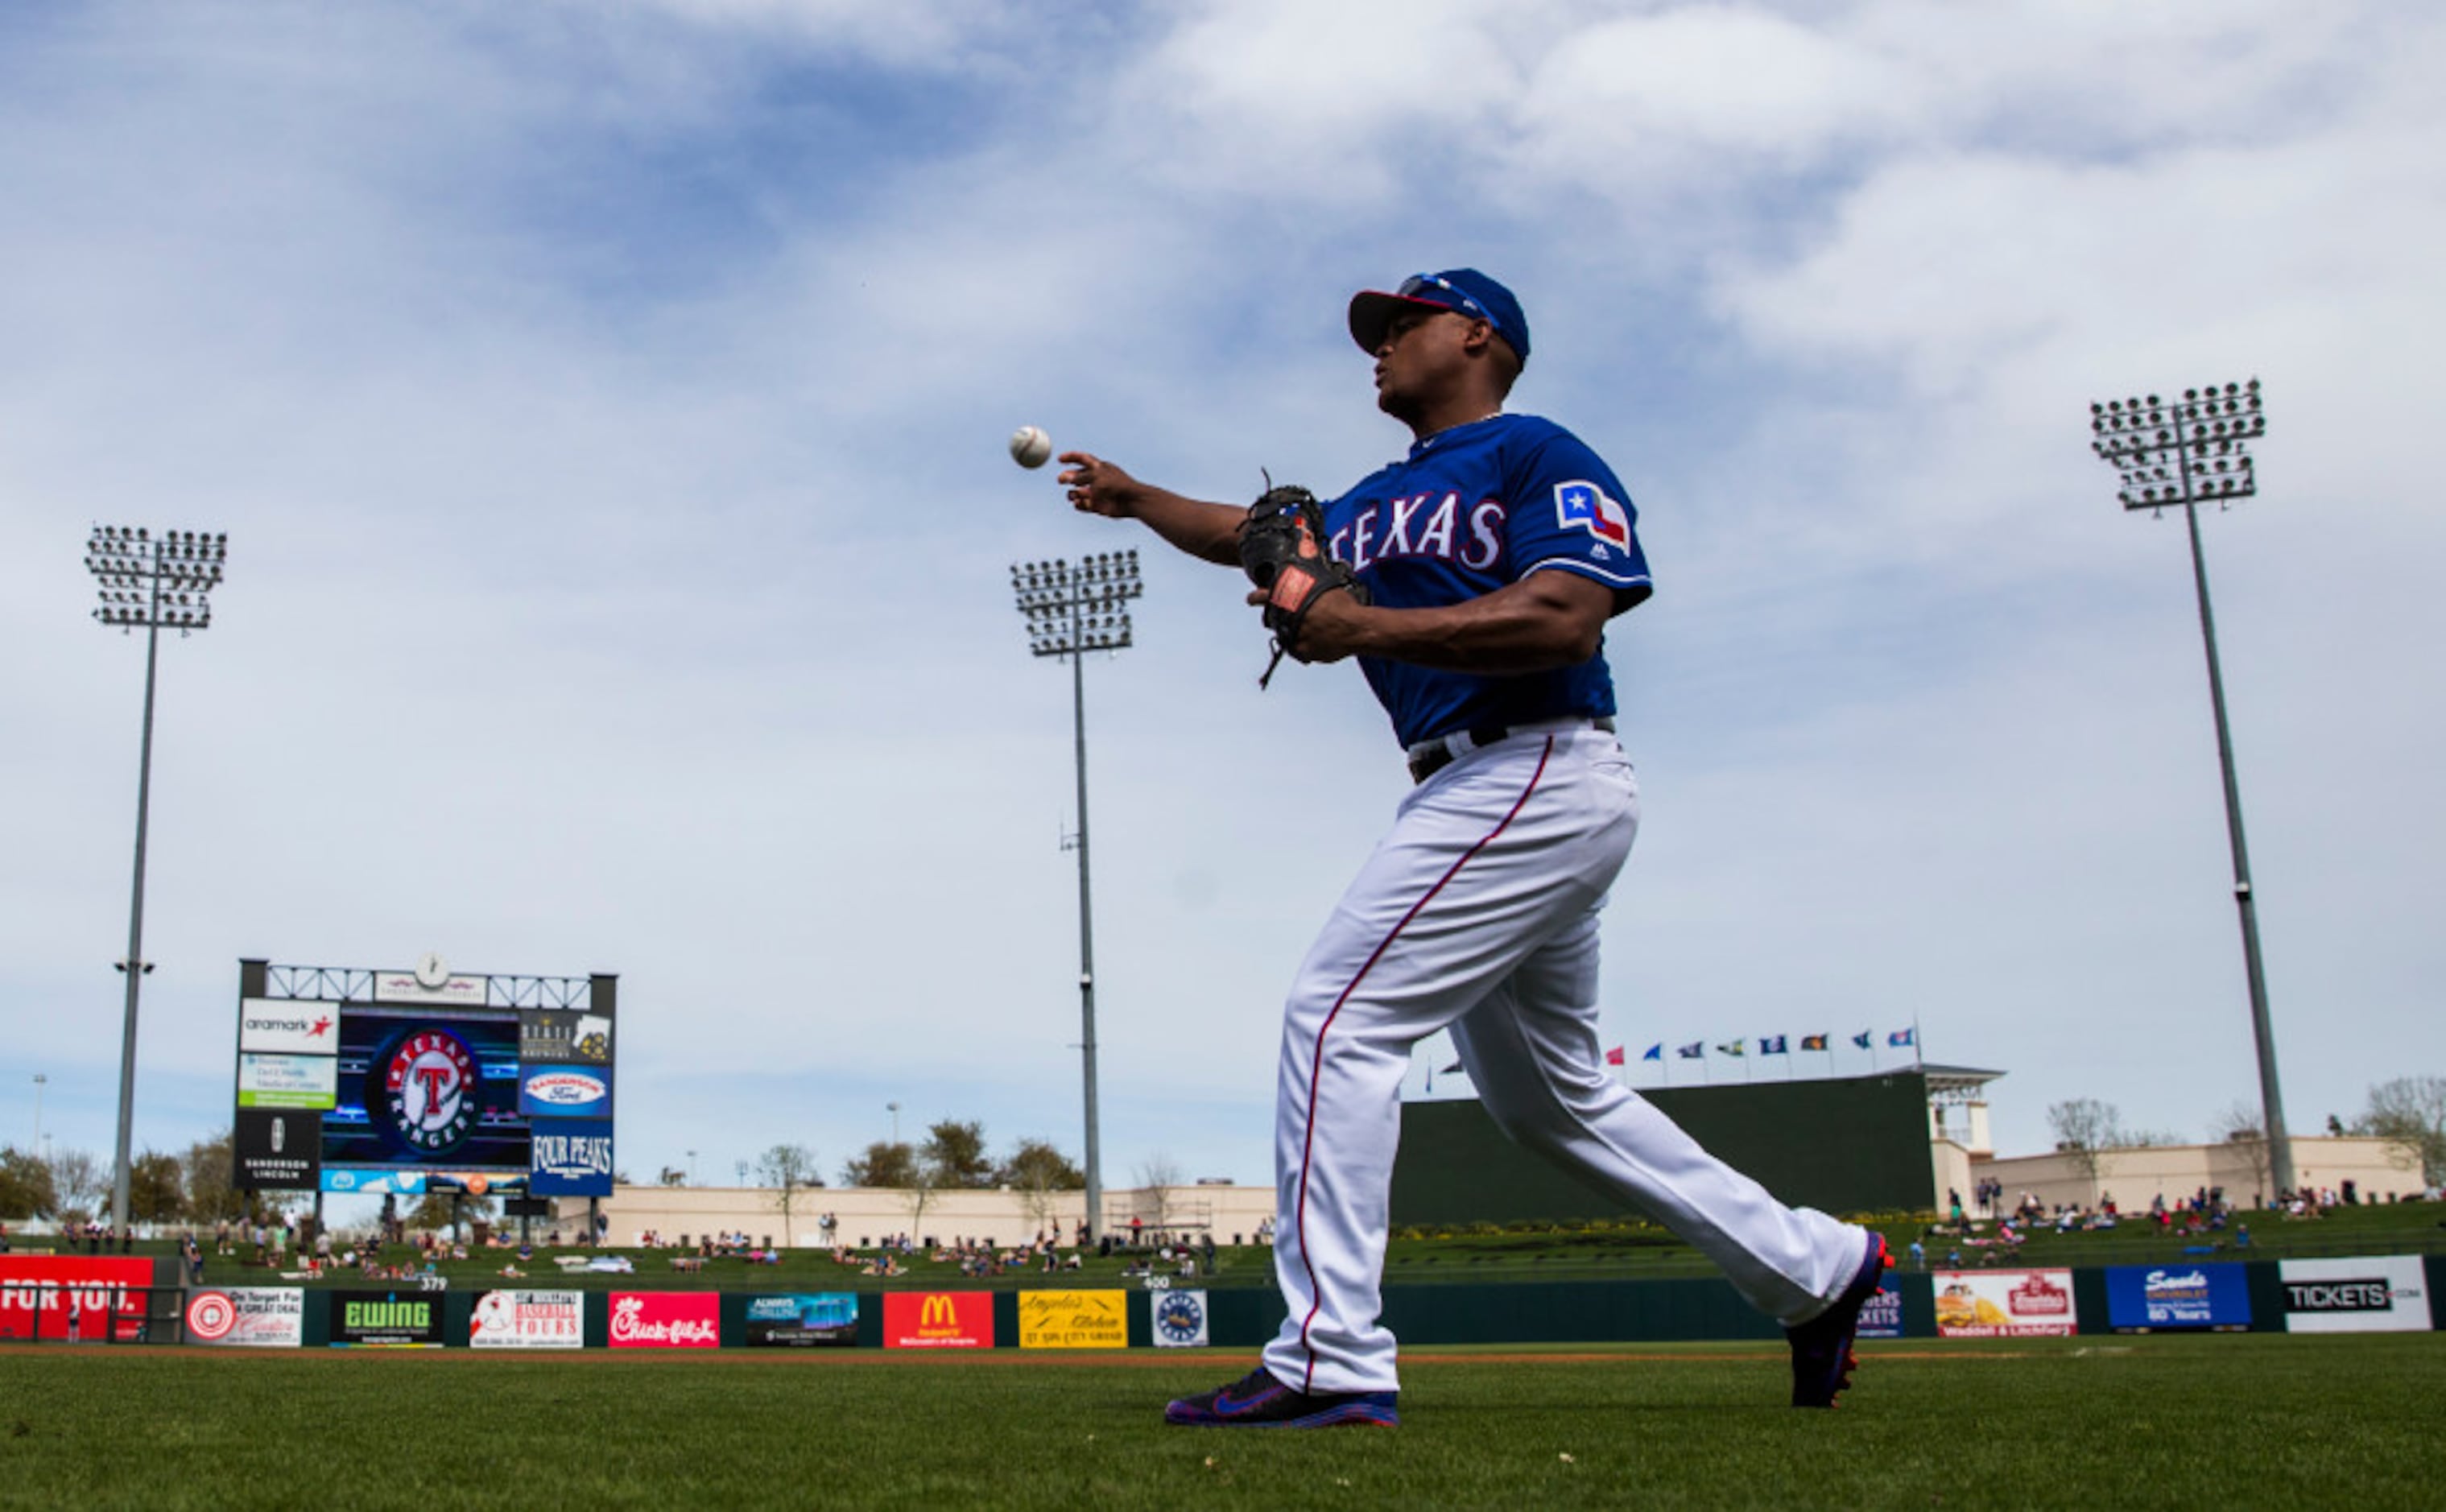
1478 911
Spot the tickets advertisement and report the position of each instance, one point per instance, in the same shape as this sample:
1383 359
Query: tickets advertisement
528 1320
2383 1293
938 1321
259 1317
1074 1320
2003 1304
666 1320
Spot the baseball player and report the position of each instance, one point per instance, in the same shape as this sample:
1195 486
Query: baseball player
1473 580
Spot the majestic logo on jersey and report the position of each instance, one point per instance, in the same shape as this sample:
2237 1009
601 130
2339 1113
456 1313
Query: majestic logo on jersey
429 1090
1585 504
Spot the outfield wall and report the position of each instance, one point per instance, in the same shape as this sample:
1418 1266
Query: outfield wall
2327 1294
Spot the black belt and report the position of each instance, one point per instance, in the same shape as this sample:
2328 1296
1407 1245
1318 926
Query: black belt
1430 757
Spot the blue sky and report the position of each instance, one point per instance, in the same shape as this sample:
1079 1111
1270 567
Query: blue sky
604 404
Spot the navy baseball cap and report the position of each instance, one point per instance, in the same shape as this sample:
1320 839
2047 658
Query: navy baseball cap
1465 290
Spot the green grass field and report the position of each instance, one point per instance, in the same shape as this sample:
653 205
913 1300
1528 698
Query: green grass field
2237 1421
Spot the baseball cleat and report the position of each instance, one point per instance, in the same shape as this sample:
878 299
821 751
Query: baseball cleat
1259 1401
1822 1361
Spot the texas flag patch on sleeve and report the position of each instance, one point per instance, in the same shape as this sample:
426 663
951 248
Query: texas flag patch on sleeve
1585 504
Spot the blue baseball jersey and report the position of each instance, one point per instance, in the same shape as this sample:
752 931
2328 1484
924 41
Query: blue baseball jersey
1470 510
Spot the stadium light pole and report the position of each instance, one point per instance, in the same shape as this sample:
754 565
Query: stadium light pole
1072 609
2185 452
158 582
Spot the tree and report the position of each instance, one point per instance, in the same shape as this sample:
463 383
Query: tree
1036 1170
156 1188
885 1163
1157 1176
954 1155
2241 1126
2413 1109
2086 1129
25 1187
788 1170
80 1182
210 1194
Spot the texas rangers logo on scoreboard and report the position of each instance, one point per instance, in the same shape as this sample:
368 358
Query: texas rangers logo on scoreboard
1585 505
429 1090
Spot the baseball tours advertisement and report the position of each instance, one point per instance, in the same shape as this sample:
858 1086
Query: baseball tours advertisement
2003 1304
801 1320
258 1318
1074 1320
2379 1295
386 1320
666 1320
2147 1298
528 1320
1881 1316
938 1321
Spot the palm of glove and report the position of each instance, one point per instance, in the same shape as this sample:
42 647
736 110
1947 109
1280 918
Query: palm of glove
1282 548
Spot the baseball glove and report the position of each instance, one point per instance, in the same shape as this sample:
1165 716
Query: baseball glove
1282 548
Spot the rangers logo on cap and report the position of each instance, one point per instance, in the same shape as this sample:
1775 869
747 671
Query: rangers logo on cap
429 1090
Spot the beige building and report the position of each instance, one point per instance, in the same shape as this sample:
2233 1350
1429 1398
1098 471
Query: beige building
863 1215
2380 1171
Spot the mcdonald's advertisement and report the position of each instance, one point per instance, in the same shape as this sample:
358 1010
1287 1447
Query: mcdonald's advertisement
1074 1320
938 1321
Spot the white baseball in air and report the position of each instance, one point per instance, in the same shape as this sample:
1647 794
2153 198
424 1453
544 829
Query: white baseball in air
1030 447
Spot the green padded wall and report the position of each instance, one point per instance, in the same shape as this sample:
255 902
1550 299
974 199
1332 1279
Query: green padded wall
1849 1144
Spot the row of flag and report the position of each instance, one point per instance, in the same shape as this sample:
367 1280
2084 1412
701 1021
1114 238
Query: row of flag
1767 1044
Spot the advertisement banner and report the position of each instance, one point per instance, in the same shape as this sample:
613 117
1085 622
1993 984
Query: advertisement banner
1179 1318
564 1091
277 1149
2146 1299
2381 1295
938 1321
278 1027
666 1320
558 1036
2003 1304
528 1320
255 1317
375 1183
1881 1316
386 1320
573 1157
75 1297
1074 1320
800 1320
288 1081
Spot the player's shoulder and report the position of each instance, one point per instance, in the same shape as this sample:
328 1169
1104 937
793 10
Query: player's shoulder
1535 435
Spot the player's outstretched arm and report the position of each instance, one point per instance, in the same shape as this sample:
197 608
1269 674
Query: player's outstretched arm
1547 619
1204 530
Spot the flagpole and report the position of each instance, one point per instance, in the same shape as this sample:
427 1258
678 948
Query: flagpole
1919 1052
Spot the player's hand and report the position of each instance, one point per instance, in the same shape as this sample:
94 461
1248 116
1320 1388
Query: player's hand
1333 628
1099 487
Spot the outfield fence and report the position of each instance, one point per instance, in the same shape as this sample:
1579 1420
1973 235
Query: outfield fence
78 1301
